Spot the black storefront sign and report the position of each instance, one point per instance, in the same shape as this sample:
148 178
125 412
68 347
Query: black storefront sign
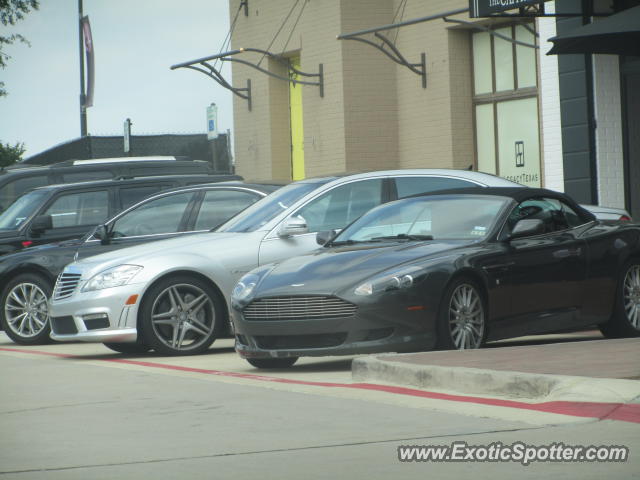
486 8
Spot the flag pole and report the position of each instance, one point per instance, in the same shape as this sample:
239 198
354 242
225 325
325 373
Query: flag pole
83 109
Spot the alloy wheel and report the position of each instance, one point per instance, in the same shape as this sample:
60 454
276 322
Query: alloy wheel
466 317
26 310
631 299
183 317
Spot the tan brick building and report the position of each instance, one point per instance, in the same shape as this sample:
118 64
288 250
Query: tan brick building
491 102
374 113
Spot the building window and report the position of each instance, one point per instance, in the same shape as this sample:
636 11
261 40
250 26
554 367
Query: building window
506 104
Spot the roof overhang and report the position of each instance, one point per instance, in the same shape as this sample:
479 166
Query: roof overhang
617 34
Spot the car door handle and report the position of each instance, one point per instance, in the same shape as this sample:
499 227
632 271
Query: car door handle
567 252
498 267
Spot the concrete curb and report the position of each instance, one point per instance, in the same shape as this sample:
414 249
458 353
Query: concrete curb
481 382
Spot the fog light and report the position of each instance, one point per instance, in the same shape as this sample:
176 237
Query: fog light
95 321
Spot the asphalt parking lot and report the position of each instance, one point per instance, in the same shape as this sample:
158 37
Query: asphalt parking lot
82 411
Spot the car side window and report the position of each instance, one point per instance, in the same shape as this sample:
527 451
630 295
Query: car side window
340 206
83 208
218 206
407 186
13 189
162 215
72 177
571 217
132 195
555 214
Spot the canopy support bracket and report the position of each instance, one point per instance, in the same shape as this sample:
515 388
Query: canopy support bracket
204 66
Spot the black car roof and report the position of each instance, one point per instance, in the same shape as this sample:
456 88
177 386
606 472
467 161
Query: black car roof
518 194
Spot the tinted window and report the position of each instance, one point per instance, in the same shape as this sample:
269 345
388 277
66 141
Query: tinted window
25 206
340 206
85 208
162 215
408 186
555 214
71 177
132 195
14 188
219 206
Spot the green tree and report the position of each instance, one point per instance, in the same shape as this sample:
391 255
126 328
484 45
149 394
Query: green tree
10 154
11 11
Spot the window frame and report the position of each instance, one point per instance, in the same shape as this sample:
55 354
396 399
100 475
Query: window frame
183 224
197 207
494 97
62 193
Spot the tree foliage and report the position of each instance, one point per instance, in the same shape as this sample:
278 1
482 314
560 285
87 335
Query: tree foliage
10 154
12 11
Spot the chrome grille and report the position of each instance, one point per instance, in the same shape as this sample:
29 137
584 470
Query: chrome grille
66 285
298 308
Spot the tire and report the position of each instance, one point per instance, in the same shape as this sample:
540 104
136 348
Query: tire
181 315
133 347
272 363
625 321
24 311
462 316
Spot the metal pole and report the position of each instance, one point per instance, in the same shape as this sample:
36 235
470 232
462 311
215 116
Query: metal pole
83 109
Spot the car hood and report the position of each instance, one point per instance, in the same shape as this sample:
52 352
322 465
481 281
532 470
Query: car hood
328 271
208 243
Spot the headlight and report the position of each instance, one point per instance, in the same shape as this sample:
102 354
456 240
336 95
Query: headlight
388 281
112 277
245 287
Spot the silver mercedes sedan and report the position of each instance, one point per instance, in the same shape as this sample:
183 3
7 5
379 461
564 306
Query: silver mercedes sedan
171 296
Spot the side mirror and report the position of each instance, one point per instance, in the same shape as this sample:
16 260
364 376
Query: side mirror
322 238
41 223
102 234
526 228
293 226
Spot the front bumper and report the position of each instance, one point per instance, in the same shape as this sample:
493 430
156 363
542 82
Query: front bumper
374 328
97 316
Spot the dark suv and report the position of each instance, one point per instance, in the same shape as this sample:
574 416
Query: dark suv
27 277
17 179
64 211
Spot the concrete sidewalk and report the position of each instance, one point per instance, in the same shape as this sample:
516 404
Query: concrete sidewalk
589 371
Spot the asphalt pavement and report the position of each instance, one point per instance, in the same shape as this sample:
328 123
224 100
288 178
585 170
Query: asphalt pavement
72 411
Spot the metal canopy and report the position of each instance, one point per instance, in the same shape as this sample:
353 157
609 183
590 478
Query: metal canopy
391 50
203 65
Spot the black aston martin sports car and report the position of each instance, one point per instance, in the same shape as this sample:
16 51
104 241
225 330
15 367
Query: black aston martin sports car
449 270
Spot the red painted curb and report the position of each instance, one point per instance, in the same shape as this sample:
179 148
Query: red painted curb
603 411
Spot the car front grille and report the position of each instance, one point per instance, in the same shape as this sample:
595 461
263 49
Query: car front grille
66 285
298 308
293 342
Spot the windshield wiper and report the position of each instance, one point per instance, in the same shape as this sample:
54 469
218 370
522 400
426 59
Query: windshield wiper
340 242
404 236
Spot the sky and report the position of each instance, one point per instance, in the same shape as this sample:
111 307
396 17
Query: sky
135 43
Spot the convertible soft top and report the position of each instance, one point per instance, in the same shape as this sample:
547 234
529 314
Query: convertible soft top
516 193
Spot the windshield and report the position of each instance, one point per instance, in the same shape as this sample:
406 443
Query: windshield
262 212
427 218
25 206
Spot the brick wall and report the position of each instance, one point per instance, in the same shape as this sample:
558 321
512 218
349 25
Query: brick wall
375 113
609 153
549 88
